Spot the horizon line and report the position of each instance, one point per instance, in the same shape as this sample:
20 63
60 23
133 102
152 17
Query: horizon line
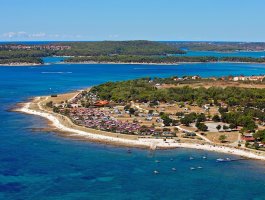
224 41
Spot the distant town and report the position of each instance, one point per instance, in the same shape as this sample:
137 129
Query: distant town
53 47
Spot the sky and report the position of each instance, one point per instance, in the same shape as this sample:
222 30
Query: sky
158 20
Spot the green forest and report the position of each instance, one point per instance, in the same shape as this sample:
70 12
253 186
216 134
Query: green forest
143 90
219 46
33 54
243 105
107 48
161 59
33 60
22 56
139 51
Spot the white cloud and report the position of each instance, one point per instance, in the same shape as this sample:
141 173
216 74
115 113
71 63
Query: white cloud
114 36
14 34
37 35
22 35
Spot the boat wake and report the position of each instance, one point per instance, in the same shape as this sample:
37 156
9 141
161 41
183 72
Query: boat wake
56 72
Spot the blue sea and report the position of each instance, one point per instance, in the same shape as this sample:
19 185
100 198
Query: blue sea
37 165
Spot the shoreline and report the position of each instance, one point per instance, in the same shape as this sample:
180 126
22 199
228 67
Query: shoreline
20 64
139 142
177 63
121 63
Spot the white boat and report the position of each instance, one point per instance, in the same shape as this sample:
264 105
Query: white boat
223 160
219 160
192 168
156 172
174 169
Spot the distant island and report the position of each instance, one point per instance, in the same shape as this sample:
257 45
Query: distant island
140 52
132 59
218 114
15 53
218 46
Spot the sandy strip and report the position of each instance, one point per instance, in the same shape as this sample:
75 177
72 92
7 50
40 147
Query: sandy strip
20 64
148 143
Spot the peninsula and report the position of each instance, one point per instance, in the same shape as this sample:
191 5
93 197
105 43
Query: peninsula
139 52
216 114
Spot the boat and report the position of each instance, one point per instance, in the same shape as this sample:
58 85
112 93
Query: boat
156 172
223 160
191 158
174 169
204 157
199 167
157 161
219 160
192 168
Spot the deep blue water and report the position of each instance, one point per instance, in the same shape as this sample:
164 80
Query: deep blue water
43 165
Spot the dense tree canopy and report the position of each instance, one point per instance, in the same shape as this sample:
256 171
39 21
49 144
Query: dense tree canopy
22 56
140 47
161 59
114 51
143 90
219 46
243 104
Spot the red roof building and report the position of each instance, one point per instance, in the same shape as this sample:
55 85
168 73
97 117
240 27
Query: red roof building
101 103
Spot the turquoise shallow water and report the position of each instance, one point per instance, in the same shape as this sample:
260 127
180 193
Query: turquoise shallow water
37 165
53 60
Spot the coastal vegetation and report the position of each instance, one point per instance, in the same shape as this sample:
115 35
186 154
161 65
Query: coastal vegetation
222 138
22 60
219 46
10 53
107 48
139 51
145 90
238 107
22 56
260 135
159 109
160 59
